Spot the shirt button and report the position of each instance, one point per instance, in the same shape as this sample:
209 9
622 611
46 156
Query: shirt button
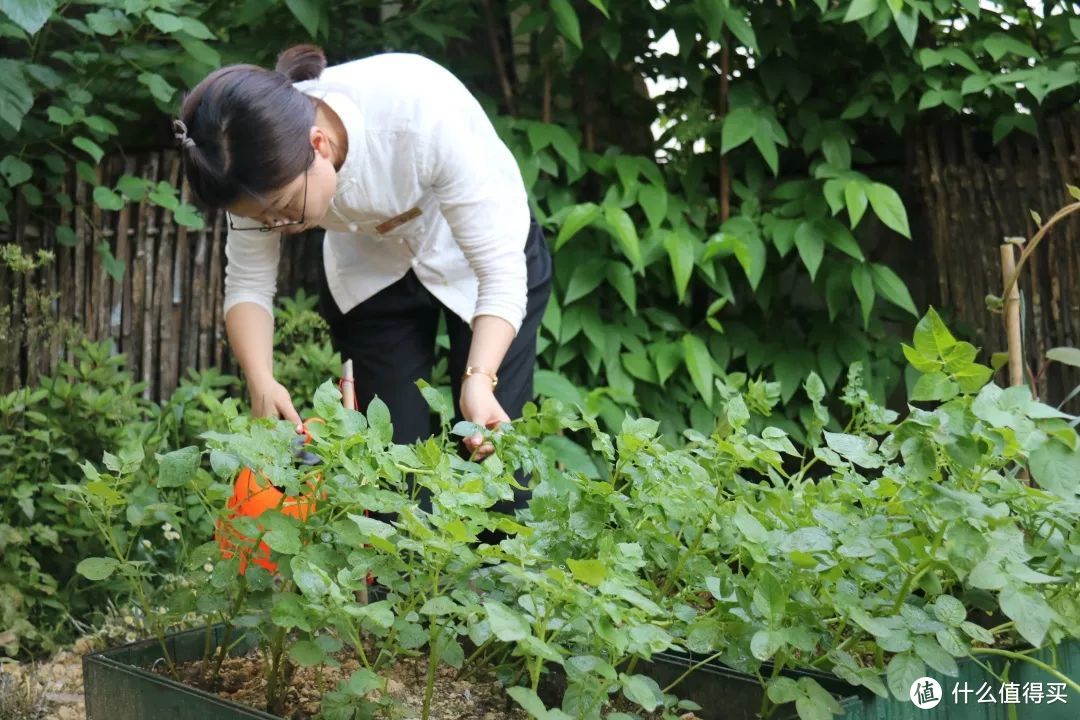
414 262
400 241
353 227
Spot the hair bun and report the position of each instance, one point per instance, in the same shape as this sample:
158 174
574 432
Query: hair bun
301 62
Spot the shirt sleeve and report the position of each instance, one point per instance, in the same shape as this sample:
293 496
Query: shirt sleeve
482 197
251 264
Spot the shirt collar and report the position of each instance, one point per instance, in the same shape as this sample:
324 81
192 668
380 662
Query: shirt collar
350 116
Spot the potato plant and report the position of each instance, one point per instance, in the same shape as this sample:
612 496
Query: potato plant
893 548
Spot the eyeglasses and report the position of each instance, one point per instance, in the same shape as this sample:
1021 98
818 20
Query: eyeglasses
278 226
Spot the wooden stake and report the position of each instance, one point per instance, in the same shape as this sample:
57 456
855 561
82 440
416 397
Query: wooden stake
1012 317
348 386
1012 329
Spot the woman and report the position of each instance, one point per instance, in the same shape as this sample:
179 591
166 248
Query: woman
425 214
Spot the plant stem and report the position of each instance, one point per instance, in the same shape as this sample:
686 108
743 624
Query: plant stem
675 683
433 661
1025 658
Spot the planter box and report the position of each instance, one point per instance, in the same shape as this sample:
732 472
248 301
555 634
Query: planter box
1067 662
867 706
119 686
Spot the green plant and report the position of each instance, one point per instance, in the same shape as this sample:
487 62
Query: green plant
894 544
45 433
80 76
303 354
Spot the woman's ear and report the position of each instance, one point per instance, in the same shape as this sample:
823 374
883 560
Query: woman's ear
321 142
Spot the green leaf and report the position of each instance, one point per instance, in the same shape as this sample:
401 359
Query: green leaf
106 199
1027 608
97 568
548 383
165 22
307 653
1064 355
90 147
285 541
578 217
782 690
642 690
863 282
621 278
200 51
735 20
196 29
681 249
566 20
860 9
529 701
133 188
307 14
816 703
902 672
310 579
1056 469
749 526
585 278
766 145
30 15
856 200
949 610
625 233
59 115
889 207
65 236
837 150
178 468
100 124
654 201
739 126
810 240
892 288
590 572
14 170
699 364
158 86
999 45
506 624
934 387
599 5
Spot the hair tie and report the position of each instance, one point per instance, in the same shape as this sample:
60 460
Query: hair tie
180 132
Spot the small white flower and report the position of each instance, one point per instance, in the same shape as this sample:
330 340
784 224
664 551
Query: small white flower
166 527
208 567
147 544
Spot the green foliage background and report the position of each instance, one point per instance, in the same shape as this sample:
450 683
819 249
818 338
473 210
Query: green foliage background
660 291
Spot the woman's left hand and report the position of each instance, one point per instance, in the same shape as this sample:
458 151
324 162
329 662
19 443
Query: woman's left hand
478 405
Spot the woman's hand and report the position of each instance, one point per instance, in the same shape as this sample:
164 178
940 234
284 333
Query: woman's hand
478 405
269 398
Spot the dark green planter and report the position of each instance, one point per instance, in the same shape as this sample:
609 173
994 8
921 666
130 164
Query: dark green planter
118 686
1067 662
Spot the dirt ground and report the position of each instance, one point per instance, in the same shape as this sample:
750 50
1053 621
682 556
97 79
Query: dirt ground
59 679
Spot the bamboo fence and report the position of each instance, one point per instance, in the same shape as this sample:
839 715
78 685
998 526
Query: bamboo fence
964 196
165 311
971 198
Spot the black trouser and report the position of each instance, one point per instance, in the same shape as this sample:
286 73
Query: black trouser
390 338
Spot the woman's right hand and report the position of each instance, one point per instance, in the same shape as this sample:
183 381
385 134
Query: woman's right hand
269 398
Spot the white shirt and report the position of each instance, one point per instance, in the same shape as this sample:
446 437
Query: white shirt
418 141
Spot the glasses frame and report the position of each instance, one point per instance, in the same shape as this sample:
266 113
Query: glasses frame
278 226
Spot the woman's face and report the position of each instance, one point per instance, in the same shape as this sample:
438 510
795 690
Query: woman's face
306 197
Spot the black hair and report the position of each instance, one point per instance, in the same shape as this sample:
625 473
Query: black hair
246 128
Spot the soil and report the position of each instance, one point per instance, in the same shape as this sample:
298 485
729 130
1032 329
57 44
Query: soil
243 681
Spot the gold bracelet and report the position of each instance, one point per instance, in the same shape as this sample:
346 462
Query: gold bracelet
469 371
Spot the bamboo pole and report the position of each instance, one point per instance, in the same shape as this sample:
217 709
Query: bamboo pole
1012 317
